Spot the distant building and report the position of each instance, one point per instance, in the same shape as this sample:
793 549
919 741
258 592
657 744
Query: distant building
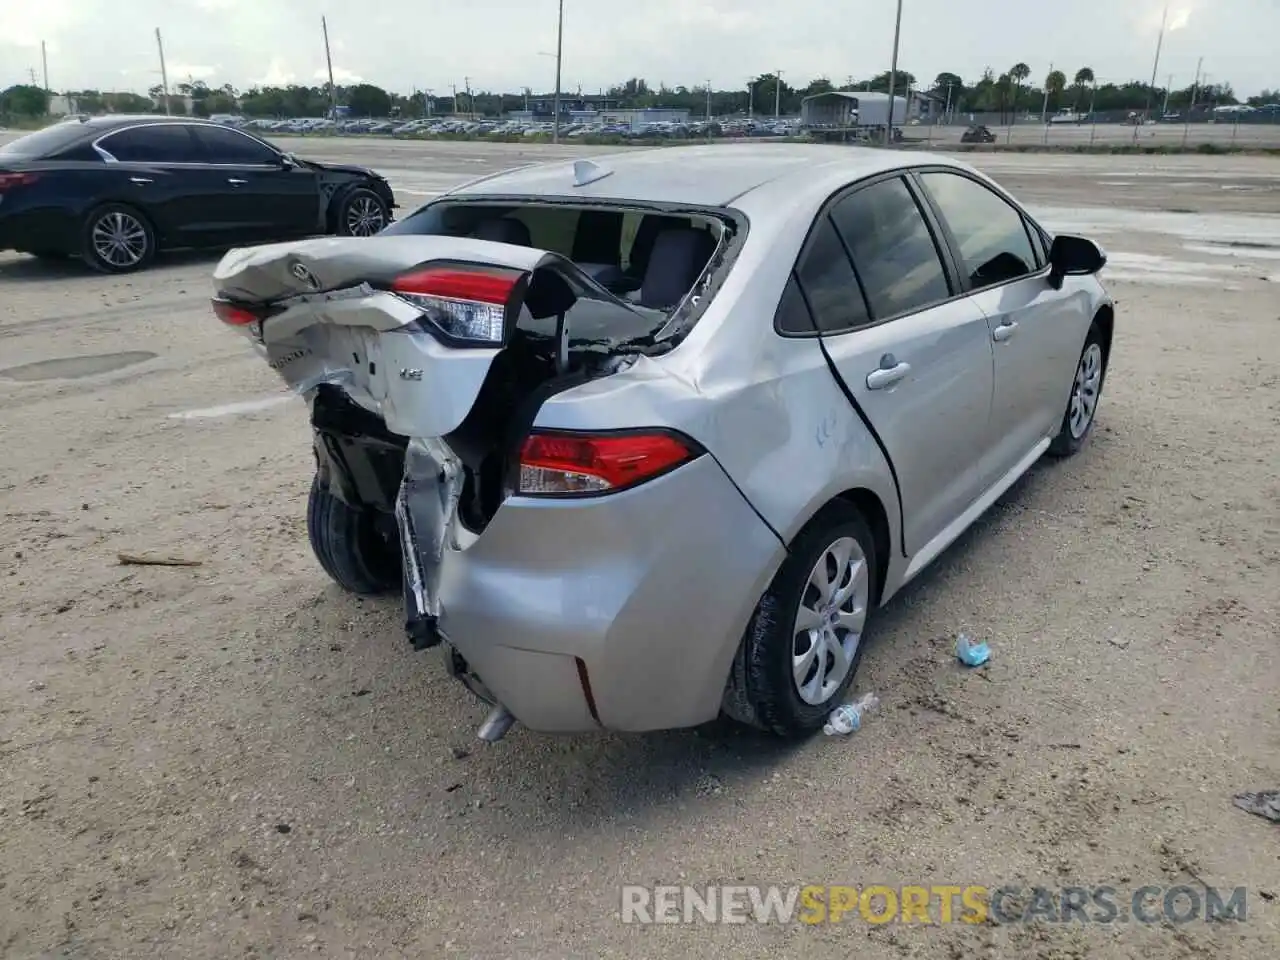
639 117
852 109
61 105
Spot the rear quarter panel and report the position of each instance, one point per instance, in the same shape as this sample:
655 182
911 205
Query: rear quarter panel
765 406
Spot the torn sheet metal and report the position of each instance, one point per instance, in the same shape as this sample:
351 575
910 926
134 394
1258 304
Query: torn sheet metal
427 513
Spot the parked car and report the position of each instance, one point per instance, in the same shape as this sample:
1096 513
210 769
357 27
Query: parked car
640 442
116 190
978 134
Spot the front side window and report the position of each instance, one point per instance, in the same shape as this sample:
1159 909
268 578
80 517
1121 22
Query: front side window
991 235
158 143
228 146
892 248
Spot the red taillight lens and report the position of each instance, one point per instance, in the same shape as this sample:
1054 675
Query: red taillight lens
466 304
233 315
478 286
572 464
9 181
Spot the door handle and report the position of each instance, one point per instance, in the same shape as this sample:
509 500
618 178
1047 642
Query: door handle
139 180
236 182
1004 331
887 376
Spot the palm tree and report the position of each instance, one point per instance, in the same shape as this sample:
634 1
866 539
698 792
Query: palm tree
1003 85
1084 77
1017 73
1054 84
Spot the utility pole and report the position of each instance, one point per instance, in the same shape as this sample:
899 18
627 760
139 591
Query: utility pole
1044 108
471 101
708 101
777 95
333 90
555 127
751 98
44 60
893 71
1168 89
1195 92
426 101
455 98
1146 114
164 74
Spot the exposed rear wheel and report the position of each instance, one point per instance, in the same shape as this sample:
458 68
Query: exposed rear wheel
805 640
359 549
117 239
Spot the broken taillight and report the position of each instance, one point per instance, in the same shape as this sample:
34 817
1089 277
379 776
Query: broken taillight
467 305
560 464
233 314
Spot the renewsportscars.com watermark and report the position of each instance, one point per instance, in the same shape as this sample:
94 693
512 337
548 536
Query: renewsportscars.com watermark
814 904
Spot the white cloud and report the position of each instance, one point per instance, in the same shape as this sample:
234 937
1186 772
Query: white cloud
402 44
196 71
340 76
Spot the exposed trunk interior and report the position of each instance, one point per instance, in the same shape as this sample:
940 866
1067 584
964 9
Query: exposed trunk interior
602 286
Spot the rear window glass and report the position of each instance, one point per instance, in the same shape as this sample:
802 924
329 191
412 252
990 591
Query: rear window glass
615 247
44 142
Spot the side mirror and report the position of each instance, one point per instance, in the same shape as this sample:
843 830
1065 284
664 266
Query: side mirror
1072 256
287 161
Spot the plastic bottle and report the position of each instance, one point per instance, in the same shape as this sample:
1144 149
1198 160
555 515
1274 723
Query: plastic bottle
970 652
848 718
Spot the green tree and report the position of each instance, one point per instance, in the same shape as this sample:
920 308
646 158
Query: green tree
366 100
1054 84
1018 74
24 100
1084 77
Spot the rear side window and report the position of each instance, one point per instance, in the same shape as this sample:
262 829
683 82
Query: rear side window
991 235
829 284
159 143
793 312
892 247
228 146
44 143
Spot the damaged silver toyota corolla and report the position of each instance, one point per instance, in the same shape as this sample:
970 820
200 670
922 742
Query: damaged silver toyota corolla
647 438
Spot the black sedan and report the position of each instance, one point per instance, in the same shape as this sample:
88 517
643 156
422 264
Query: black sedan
115 190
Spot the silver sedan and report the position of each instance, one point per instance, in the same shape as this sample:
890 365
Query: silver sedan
650 437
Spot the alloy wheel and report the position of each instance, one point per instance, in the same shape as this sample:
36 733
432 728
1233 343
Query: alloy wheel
829 623
365 217
120 239
1084 394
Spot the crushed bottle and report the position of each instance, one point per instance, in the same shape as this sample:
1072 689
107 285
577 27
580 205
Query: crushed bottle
971 653
848 718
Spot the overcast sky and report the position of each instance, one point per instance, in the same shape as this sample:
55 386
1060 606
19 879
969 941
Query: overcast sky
501 44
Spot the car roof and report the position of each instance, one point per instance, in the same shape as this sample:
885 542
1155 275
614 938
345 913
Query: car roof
712 175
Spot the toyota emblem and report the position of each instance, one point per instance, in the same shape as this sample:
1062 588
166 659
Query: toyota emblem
301 272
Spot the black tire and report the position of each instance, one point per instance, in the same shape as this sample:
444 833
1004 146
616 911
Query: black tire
1069 440
761 691
360 212
356 548
134 224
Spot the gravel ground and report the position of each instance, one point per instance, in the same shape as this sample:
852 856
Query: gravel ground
236 759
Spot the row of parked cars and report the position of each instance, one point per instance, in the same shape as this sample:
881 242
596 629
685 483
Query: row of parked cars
437 126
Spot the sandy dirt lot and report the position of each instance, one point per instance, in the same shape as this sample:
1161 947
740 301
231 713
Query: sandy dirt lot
237 760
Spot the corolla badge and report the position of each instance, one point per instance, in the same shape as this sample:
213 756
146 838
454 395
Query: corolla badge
301 272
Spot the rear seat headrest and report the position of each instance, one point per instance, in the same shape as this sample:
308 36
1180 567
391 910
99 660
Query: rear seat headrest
503 230
678 258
